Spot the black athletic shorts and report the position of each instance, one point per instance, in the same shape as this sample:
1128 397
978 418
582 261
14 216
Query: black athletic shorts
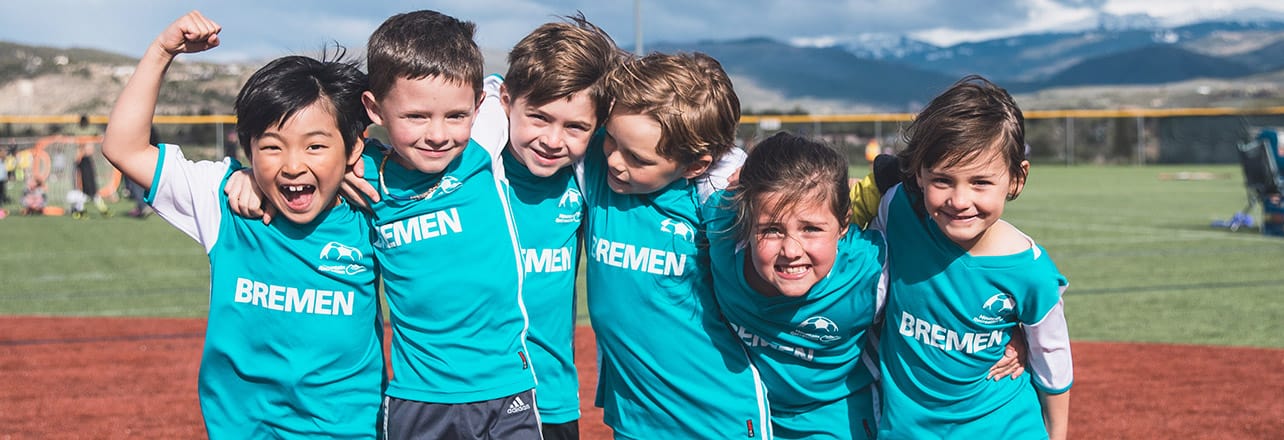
514 417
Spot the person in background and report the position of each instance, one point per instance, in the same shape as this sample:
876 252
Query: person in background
86 175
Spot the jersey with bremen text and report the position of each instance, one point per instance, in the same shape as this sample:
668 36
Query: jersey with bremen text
668 364
811 350
548 211
949 316
448 247
293 347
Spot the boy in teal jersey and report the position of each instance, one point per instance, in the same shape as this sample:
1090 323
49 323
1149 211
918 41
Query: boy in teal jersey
669 366
460 364
460 367
962 281
800 286
555 96
293 346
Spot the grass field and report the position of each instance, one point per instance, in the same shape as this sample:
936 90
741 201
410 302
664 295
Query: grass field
1143 263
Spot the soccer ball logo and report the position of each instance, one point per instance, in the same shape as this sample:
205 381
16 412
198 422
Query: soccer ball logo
818 328
678 228
449 184
570 199
1000 305
339 253
335 251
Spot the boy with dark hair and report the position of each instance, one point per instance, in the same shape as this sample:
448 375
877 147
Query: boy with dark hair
460 364
293 347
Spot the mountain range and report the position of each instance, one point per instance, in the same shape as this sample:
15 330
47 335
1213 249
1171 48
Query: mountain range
1123 61
899 73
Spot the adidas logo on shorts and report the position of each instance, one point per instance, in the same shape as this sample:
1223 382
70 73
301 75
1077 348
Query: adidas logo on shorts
518 406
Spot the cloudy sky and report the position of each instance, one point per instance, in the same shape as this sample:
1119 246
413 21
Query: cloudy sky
258 29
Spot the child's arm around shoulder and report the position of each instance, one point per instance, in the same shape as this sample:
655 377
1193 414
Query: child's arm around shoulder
490 127
126 143
867 193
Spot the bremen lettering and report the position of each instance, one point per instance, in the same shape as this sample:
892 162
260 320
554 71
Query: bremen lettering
753 340
638 258
292 299
936 336
423 227
547 260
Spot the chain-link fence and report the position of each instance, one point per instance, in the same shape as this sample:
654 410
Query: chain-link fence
43 147
1136 137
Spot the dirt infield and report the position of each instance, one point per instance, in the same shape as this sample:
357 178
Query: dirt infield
136 378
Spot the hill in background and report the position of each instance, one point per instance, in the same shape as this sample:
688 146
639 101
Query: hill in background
1118 64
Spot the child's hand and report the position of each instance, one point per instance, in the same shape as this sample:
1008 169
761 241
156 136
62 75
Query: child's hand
1014 357
355 186
245 199
191 33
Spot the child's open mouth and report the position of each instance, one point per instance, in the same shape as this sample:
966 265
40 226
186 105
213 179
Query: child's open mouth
298 197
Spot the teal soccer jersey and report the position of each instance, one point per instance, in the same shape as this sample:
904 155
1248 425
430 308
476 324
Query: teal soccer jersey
293 347
448 248
948 318
668 365
811 350
548 212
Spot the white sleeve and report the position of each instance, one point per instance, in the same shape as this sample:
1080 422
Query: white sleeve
1050 360
715 178
188 194
578 167
879 223
490 127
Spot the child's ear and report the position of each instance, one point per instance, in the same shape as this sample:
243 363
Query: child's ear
372 107
698 166
504 98
1018 182
355 155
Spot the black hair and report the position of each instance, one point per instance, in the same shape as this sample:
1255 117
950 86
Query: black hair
288 84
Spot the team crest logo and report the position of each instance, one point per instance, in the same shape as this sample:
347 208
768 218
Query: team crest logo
571 204
334 255
447 185
818 328
1001 307
678 228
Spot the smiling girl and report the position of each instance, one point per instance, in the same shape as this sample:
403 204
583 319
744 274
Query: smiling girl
963 281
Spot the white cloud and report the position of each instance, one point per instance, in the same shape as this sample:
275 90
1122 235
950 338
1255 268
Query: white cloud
268 28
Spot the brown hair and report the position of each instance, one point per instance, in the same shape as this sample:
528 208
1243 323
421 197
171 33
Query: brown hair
560 59
796 170
688 94
972 117
423 44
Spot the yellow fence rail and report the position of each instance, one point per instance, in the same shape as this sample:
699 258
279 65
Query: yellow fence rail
755 119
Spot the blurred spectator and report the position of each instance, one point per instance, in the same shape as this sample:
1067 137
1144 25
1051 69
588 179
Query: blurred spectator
86 177
5 162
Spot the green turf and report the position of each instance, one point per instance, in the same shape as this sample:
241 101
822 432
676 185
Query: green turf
1143 263
1135 242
